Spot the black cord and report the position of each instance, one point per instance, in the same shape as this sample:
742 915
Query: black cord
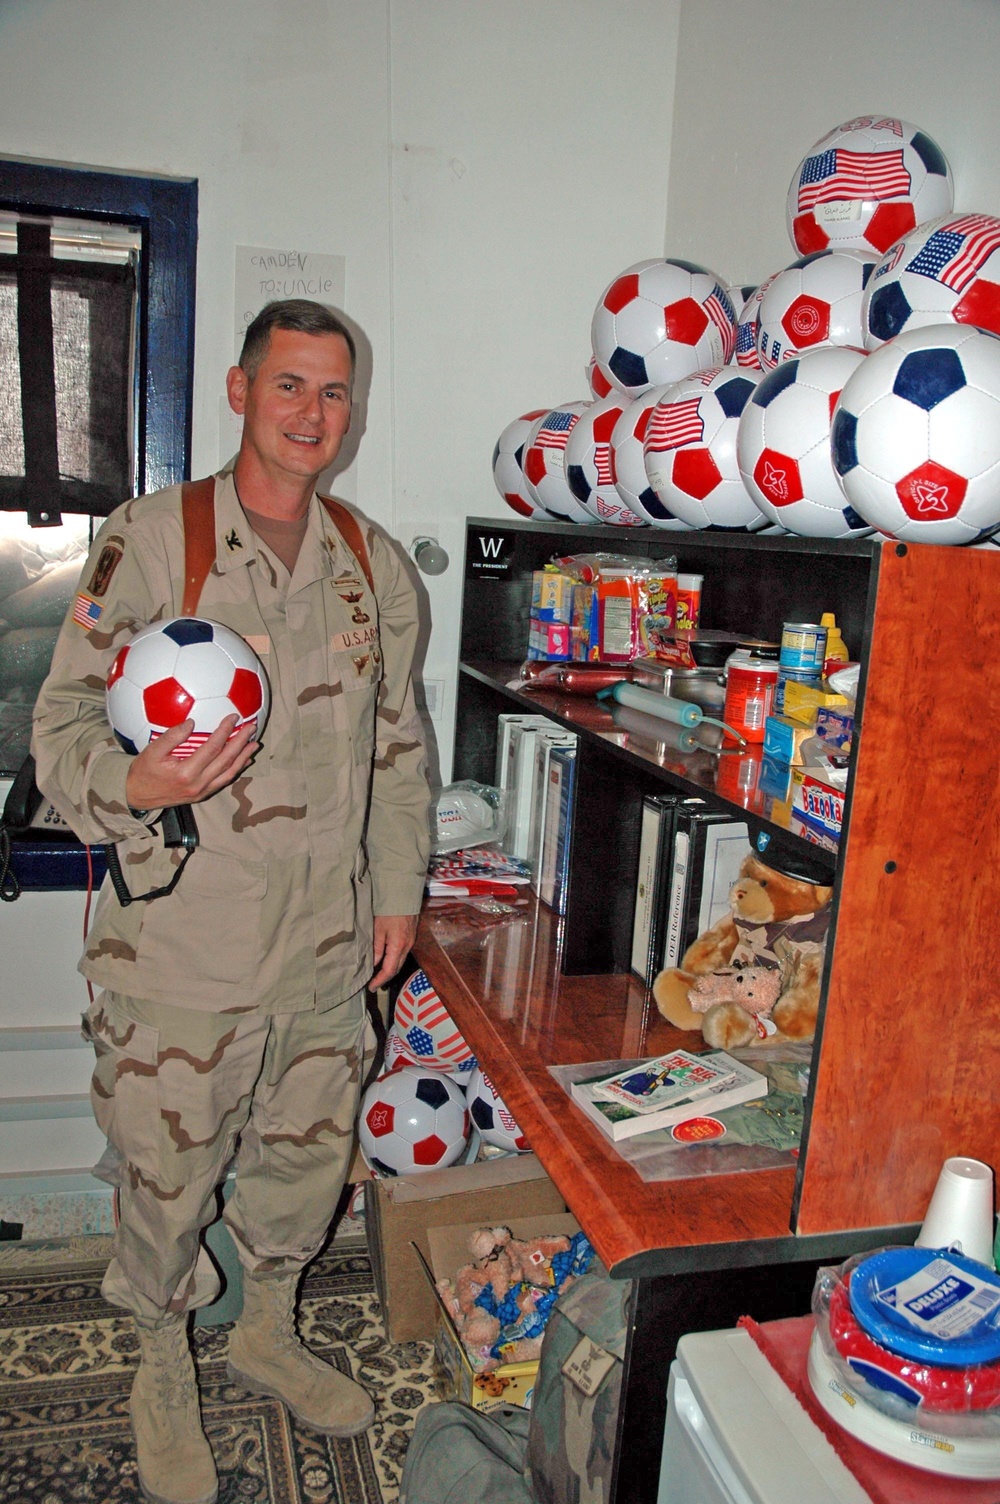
10 888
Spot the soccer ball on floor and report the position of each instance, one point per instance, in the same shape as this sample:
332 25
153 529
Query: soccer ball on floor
866 183
916 435
186 668
690 449
659 321
815 301
412 1120
946 271
631 480
491 1116
426 1027
544 462
783 445
507 473
590 463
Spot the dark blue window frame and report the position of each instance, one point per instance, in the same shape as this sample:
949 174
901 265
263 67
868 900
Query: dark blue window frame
166 211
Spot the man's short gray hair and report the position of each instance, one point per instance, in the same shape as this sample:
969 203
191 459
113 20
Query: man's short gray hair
298 314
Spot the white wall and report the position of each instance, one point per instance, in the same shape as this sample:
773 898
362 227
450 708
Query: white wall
485 166
758 82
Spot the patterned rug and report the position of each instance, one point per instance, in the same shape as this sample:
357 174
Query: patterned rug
67 1361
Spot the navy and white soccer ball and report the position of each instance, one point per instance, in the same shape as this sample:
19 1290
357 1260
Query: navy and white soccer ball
690 449
426 1027
590 463
491 1116
783 445
186 668
946 271
631 481
916 435
815 301
412 1120
544 462
748 326
659 321
866 183
508 476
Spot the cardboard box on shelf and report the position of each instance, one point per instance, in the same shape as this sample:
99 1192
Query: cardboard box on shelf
400 1212
511 1383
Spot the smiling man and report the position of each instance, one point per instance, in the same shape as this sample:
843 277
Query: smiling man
233 1020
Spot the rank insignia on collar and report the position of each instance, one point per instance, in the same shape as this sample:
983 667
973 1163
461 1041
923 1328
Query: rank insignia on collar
233 540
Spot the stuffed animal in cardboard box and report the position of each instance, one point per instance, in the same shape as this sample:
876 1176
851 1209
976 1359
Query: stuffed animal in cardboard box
754 977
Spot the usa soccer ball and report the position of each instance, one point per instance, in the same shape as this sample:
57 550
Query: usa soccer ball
690 449
184 669
815 301
590 463
783 445
916 435
948 270
490 1115
599 385
866 183
631 481
748 327
398 1053
544 462
659 321
507 473
426 1027
412 1120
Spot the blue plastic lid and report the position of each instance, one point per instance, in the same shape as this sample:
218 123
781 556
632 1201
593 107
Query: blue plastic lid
945 1303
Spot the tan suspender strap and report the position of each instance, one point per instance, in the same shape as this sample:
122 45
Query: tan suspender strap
198 513
198 516
347 525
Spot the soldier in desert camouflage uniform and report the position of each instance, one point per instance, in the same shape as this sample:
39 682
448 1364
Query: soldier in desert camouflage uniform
233 1009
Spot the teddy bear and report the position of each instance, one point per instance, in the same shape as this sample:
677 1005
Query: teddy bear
754 977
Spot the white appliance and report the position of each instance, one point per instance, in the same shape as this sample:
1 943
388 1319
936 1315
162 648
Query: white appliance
735 1434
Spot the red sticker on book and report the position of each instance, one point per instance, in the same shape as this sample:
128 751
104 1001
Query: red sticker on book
698 1130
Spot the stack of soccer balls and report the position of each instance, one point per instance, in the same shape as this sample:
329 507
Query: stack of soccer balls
855 390
418 1115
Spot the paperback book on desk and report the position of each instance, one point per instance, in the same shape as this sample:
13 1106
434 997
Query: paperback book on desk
732 1083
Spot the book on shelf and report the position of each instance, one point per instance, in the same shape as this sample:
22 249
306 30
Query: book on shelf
652 887
708 848
554 882
739 1084
547 739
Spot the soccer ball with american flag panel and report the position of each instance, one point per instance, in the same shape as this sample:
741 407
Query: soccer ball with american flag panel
659 321
815 301
946 271
426 1028
631 480
866 183
544 462
590 463
690 450
508 473
916 435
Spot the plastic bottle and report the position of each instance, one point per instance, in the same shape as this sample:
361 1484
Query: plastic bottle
836 649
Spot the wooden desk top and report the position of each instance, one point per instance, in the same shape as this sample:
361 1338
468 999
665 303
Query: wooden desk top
500 980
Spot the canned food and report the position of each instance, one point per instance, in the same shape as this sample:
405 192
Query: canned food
750 685
803 647
814 681
688 601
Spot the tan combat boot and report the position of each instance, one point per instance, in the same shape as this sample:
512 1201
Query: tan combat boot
267 1357
175 1460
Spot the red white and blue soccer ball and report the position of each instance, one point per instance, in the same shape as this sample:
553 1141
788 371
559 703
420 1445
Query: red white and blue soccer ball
946 271
508 476
916 435
181 669
748 326
544 462
866 183
631 481
690 449
398 1054
659 321
590 463
815 301
783 445
491 1116
412 1120
426 1027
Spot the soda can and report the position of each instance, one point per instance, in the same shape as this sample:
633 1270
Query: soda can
803 647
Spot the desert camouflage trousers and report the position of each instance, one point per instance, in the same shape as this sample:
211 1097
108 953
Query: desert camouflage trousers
178 1092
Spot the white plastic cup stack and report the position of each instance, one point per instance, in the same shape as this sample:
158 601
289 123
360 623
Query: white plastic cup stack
960 1214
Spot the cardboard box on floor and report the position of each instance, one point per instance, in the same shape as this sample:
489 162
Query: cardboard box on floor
400 1212
510 1383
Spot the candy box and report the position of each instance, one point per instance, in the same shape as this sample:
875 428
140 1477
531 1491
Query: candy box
551 596
550 639
835 726
783 738
818 802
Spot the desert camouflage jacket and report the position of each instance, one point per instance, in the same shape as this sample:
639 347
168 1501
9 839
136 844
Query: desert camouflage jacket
329 823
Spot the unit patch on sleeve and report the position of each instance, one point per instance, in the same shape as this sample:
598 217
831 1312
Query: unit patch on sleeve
108 561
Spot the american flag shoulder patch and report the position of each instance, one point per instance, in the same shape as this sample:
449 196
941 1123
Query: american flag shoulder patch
86 612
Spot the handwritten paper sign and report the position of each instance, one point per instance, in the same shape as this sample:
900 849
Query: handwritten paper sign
265 273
